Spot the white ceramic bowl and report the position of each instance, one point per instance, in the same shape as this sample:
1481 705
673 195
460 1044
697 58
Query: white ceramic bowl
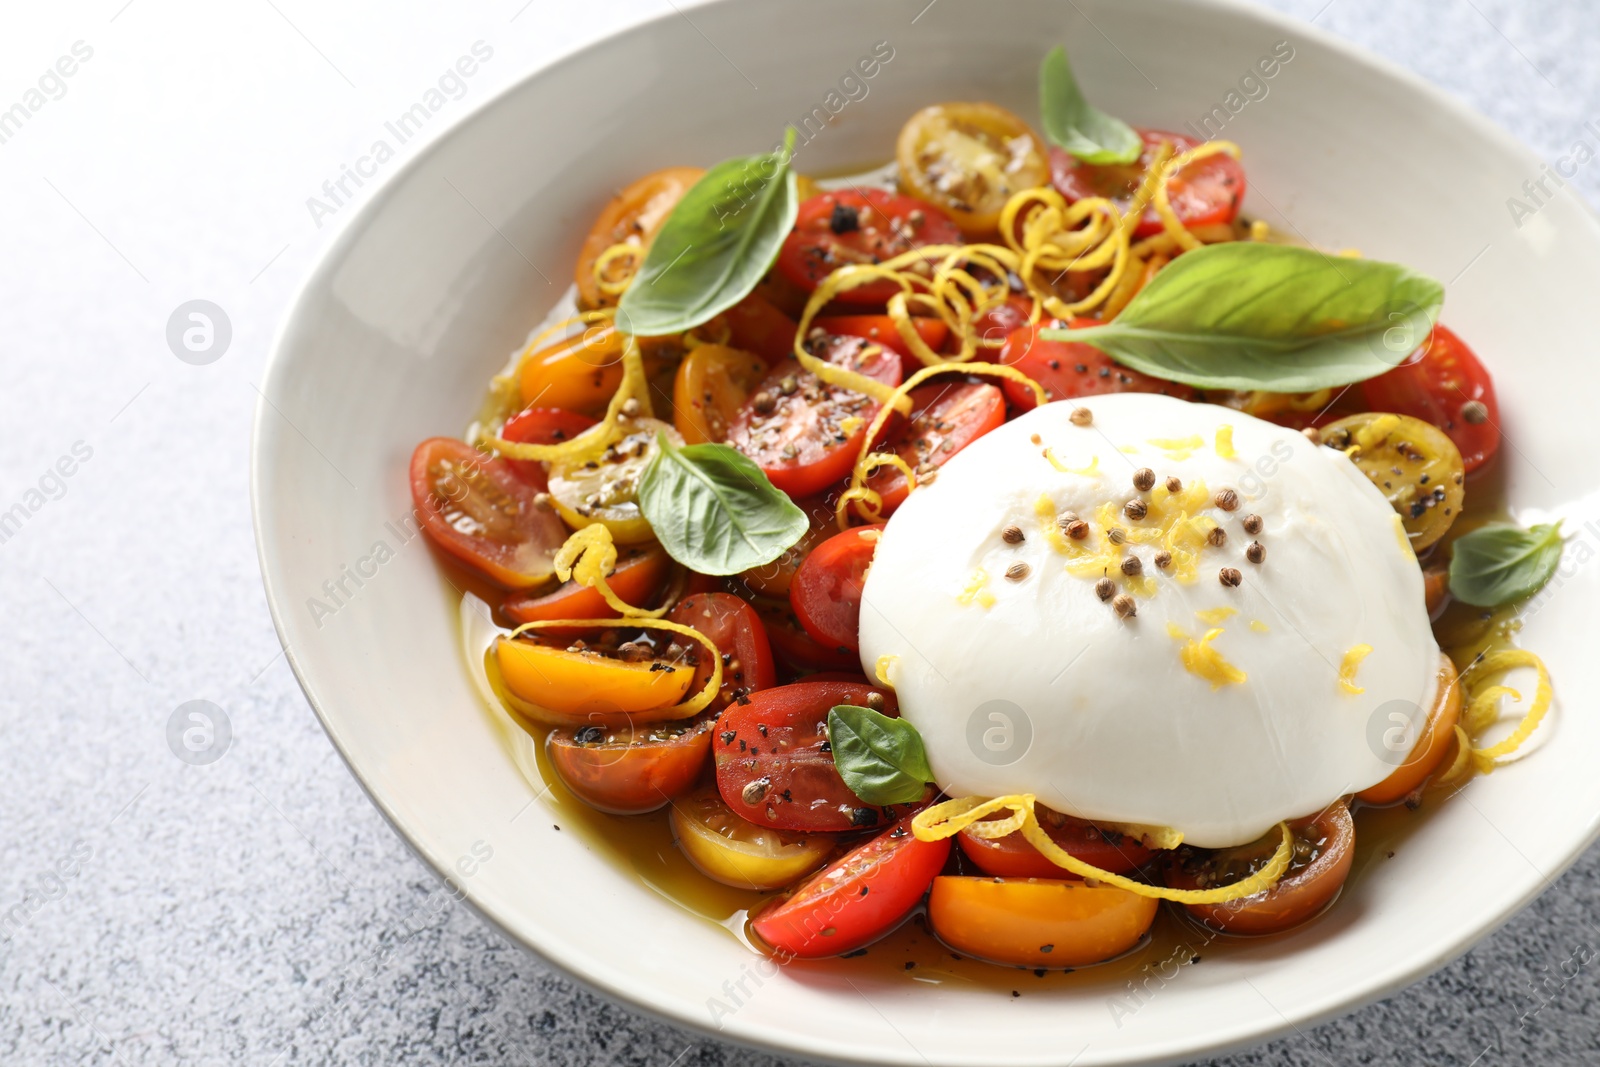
447 267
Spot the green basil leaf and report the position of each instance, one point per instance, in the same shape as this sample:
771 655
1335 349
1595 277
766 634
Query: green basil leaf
1499 563
1076 125
881 759
1243 315
714 511
715 246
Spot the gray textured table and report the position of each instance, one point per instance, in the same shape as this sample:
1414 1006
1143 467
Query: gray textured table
257 909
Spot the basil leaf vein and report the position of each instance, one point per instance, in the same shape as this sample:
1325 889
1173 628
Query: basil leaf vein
1076 125
880 758
1499 563
714 510
715 246
1243 315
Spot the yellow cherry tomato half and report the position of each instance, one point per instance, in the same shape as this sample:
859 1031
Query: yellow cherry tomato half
589 683
712 384
1037 922
736 852
1413 463
968 159
606 490
578 373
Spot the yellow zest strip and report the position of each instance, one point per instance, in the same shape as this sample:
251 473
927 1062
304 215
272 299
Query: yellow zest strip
1258 626
610 255
693 705
966 813
588 556
1163 203
868 501
881 669
1348 667
1462 757
1204 661
975 590
842 280
1089 471
1225 448
1483 702
593 441
1216 616
1179 449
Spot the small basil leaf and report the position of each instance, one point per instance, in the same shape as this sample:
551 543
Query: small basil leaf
1076 125
715 246
714 511
1244 315
881 759
1499 563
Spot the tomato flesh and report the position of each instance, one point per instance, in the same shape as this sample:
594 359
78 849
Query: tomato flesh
859 226
794 424
1037 922
541 426
856 899
629 770
1013 857
1444 383
1069 369
637 577
631 217
755 324
1323 850
774 765
1206 192
880 329
797 649
482 512
946 417
733 626
826 593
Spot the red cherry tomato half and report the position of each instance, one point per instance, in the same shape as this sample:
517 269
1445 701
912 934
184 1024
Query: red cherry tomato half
880 329
798 650
946 416
1444 383
856 899
733 626
479 510
1070 369
866 226
793 425
774 766
1013 857
826 592
637 577
1323 852
629 770
1206 192
756 325
1000 321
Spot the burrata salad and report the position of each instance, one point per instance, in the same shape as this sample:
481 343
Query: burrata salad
1015 542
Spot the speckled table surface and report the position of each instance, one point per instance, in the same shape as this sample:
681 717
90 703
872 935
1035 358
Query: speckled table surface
257 909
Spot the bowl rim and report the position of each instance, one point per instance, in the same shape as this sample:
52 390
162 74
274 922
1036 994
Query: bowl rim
348 233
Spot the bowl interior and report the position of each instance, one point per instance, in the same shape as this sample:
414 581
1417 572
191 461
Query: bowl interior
448 267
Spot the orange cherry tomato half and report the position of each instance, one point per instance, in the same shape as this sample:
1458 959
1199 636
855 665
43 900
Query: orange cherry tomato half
590 686
733 626
1206 192
637 577
856 899
1444 383
880 330
712 384
826 593
479 510
1324 846
1069 369
755 324
1013 857
541 426
631 217
859 226
578 373
794 424
1432 745
629 770
1037 922
946 416
775 767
